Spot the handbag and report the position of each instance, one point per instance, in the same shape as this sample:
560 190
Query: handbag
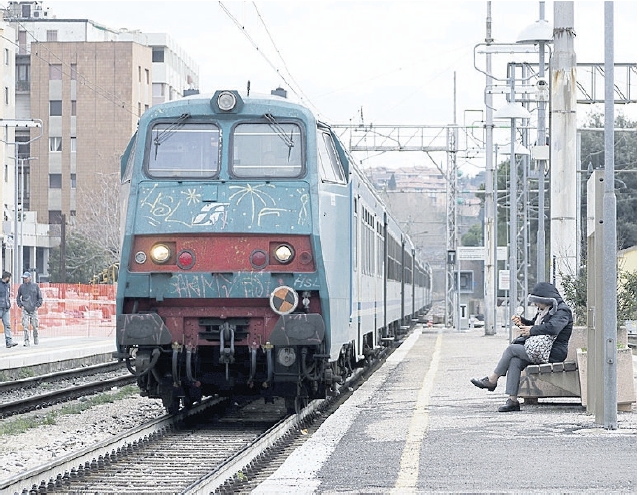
538 348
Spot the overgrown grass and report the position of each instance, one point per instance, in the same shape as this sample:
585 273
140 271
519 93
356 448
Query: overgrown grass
25 373
22 424
22 373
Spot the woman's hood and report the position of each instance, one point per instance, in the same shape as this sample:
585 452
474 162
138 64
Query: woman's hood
546 293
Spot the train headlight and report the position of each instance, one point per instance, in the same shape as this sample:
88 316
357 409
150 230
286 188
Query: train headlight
140 257
284 253
226 101
160 253
283 300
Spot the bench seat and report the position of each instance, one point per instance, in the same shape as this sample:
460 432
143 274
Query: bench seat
555 379
568 379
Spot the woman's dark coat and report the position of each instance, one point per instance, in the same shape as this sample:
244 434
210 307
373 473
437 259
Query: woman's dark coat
558 321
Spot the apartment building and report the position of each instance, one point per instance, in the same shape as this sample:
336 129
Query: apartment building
88 85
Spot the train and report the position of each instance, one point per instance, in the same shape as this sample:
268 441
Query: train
256 259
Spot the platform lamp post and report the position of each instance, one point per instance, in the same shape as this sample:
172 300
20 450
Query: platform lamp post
540 33
18 124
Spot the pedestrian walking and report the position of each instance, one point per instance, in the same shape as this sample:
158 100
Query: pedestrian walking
29 299
5 308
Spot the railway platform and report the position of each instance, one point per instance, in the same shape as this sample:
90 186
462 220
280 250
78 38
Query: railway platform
53 354
419 426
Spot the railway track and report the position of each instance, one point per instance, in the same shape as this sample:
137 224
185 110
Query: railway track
70 374
186 453
198 450
40 399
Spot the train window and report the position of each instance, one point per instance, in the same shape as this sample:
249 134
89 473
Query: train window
267 151
330 168
184 150
128 170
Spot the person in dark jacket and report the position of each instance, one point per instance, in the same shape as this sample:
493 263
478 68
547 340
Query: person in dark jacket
29 299
554 317
5 308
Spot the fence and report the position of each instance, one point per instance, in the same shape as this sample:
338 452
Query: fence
71 310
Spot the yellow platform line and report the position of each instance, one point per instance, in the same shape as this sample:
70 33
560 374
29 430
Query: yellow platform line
409 464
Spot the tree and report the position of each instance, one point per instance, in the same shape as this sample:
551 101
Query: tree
392 183
93 240
474 236
84 258
625 158
592 154
576 296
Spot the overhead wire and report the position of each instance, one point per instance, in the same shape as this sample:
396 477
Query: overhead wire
295 87
279 54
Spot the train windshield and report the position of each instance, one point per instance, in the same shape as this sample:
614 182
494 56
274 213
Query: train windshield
184 150
272 150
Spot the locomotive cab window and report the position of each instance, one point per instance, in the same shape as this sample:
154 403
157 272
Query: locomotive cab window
184 150
330 168
265 151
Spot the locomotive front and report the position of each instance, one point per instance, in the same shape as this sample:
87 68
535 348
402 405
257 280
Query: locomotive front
220 276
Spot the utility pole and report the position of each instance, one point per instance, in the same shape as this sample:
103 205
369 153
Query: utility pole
541 161
563 182
490 217
63 249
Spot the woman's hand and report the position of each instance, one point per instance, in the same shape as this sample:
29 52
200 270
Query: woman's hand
524 331
516 320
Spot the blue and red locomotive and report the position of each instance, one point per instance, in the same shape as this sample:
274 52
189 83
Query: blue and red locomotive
256 257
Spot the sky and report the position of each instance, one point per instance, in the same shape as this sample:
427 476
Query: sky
374 62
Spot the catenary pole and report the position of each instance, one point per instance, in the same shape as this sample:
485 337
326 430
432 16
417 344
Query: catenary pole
563 159
609 269
490 231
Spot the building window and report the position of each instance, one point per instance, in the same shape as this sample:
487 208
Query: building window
74 72
55 181
55 144
147 75
158 89
52 35
55 217
158 54
22 42
22 77
6 95
72 145
73 108
55 72
72 181
6 56
55 108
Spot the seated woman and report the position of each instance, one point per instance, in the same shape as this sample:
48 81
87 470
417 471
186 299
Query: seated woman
554 317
